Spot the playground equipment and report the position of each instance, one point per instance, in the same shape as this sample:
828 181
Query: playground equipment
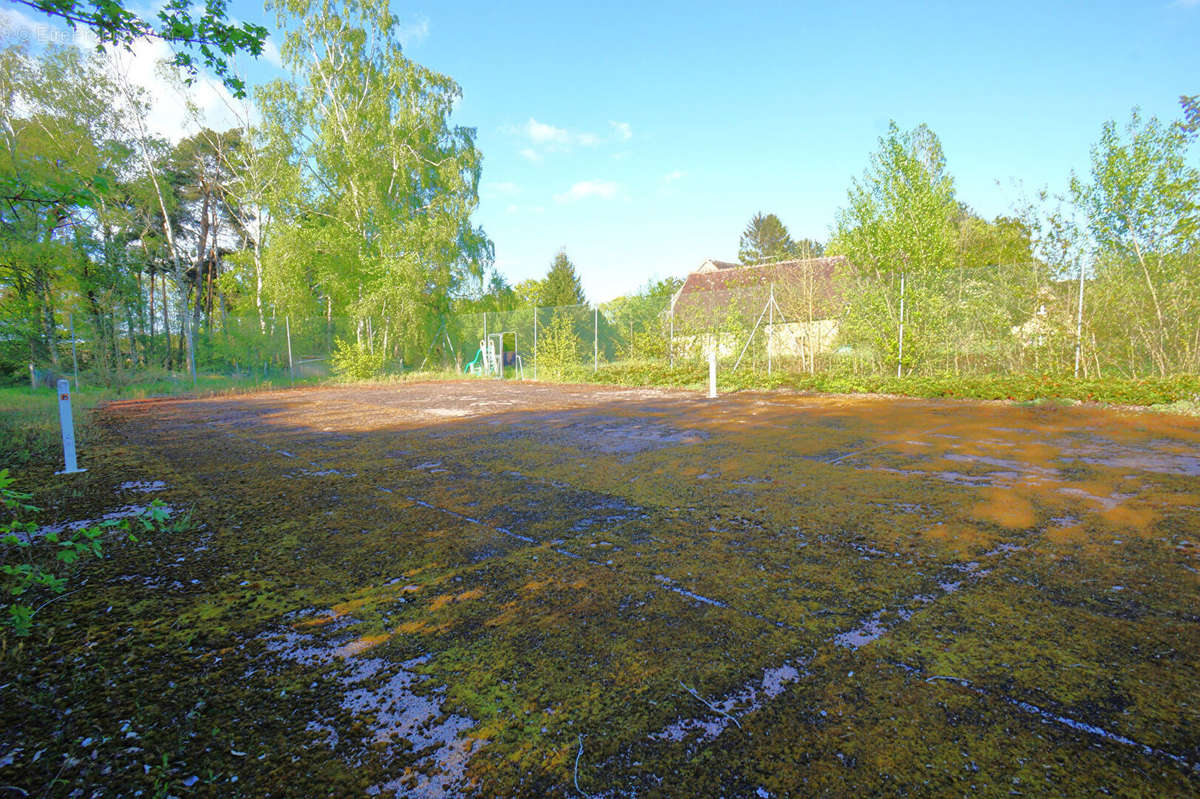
491 358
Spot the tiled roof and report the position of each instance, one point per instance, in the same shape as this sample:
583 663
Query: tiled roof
709 297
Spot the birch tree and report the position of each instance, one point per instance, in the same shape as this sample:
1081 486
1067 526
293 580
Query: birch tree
899 221
387 183
1141 202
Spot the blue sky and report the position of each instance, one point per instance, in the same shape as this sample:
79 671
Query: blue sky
643 139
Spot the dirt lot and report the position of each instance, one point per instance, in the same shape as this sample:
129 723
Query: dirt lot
476 588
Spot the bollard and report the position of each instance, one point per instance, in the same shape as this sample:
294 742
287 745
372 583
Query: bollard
712 373
68 428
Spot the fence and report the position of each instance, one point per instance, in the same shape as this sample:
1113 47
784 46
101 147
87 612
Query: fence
1003 320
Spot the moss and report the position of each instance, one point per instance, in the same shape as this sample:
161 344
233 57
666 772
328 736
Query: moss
555 564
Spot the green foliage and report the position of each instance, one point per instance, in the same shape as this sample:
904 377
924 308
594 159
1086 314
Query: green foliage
561 285
380 224
1181 392
901 221
558 347
640 321
37 569
764 239
353 361
901 215
1141 204
180 23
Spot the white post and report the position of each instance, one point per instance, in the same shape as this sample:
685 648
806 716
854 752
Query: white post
535 358
596 338
287 326
900 358
68 428
712 372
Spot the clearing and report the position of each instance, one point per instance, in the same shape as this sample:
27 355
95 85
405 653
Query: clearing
498 589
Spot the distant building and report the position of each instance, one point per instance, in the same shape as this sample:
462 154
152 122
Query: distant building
719 294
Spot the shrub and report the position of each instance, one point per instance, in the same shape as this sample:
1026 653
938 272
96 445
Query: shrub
351 361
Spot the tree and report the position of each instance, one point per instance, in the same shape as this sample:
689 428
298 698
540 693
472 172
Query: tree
180 23
379 225
900 220
1191 114
807 248
640 321
528 292
559 348
561 285
56 166
764 239
1142 205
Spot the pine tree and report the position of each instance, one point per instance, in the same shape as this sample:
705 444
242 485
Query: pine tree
764 239
562 286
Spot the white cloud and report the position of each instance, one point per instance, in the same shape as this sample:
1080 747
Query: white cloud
168 116
413 33
542 138
674 175
212 105
584 189
541 133
501 188
271 54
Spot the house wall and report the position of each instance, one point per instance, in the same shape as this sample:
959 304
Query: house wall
727 345
797 339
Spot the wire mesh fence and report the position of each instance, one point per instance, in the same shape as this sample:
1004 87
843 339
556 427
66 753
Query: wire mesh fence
1008 320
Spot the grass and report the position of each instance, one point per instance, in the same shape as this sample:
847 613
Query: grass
29 426
1176 394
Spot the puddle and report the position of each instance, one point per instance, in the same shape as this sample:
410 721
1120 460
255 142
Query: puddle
872 629
124 512
668 583
746 700
1106 503
318 473
401 706
142 486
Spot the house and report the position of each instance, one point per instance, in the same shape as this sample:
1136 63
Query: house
720 302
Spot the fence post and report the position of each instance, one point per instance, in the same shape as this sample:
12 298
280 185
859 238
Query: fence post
535 358
712 372
287 326
68 429
595 339
1079 322
671 344
74 357
770 325
900 358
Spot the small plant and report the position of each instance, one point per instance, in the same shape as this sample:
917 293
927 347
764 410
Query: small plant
34 567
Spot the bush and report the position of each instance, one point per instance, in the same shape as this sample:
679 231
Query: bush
351 361
558 350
